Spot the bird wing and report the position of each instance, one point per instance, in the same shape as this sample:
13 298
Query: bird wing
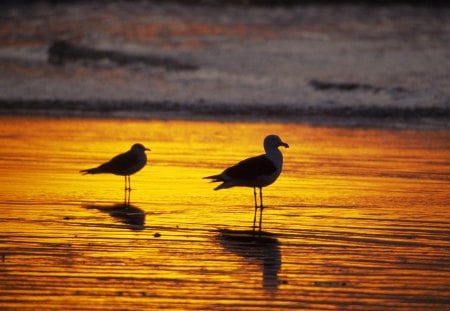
251 168
119 163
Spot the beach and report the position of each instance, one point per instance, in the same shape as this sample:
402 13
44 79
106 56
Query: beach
357 220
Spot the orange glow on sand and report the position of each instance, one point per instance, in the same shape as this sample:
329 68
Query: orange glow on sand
354 212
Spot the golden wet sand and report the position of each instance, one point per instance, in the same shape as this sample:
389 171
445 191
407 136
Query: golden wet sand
357 220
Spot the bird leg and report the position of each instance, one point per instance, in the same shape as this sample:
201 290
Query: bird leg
127 190
128 198
261 207
127 183
256 208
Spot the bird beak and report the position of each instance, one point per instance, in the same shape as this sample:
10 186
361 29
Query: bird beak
147 149
284 145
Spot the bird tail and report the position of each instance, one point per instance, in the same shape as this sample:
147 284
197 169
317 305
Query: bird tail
215 178
219 178
224 185
91 171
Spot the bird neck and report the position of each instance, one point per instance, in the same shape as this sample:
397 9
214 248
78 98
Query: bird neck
275 156
140 155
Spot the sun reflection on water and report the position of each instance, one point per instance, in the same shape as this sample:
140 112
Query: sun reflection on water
355 212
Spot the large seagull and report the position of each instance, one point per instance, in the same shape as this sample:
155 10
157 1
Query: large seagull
255 172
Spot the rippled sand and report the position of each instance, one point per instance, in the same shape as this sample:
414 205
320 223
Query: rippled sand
358 219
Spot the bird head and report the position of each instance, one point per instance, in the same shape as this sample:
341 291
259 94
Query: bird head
139 148
274 141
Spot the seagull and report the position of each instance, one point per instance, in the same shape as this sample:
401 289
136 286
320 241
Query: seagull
254 172
124 164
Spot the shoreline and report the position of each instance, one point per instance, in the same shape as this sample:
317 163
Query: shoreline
418 118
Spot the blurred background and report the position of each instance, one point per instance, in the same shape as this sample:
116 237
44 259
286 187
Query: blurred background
348 62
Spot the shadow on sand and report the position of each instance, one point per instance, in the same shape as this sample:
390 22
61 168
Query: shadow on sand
262 249
130 215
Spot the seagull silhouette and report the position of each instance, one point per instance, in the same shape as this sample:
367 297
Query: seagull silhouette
124 164
256 172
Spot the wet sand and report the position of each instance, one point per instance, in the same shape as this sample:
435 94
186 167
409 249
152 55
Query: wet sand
358 219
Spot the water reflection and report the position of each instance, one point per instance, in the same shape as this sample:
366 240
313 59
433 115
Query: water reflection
260 249
130 215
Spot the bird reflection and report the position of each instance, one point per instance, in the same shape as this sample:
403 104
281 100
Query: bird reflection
130 215
260 249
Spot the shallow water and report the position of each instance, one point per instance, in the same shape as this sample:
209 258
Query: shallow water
358 219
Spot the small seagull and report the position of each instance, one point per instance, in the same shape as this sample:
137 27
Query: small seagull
124 164
255 172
